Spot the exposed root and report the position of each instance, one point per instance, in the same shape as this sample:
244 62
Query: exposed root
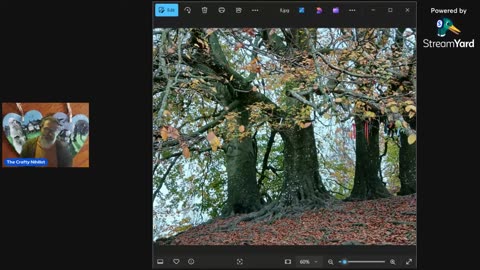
275 211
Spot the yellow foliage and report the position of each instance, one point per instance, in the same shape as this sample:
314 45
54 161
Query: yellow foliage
410 108
213 140
412 138
304 125
369 114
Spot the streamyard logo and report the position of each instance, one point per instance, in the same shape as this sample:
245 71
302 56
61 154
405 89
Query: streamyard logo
445 25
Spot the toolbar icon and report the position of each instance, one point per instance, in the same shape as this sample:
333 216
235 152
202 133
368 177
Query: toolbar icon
204 10
221 10
238 10
336 10
301 10
319 10
166 10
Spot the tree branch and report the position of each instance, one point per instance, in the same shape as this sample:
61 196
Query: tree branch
208 126
271 140
203 150
343 70
221 63
164 177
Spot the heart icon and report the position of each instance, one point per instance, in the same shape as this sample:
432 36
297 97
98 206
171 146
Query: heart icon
74 133
176 261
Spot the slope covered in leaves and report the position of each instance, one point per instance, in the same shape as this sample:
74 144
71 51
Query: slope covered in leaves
389 221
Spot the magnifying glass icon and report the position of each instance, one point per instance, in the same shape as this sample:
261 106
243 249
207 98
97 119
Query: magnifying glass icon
330 261
392 261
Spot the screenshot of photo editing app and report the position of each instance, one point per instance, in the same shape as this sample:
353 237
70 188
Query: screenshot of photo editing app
284 135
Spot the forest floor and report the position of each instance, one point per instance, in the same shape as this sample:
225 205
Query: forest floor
389 221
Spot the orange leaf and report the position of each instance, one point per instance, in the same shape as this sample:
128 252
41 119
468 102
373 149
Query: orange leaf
305 125
164 133
211 136
214 140
215 143
186 152
173 132
238 45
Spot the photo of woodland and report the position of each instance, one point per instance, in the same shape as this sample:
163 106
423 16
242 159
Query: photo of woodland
279 136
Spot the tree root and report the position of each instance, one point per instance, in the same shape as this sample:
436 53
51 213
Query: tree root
273 212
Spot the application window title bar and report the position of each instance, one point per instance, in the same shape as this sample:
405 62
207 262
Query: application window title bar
283 14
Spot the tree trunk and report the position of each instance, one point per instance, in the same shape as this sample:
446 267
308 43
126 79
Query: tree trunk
367 184
242 189
303 183
408 166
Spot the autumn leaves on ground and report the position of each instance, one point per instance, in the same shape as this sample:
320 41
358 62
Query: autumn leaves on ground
390 221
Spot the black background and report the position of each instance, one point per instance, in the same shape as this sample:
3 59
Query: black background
100 218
